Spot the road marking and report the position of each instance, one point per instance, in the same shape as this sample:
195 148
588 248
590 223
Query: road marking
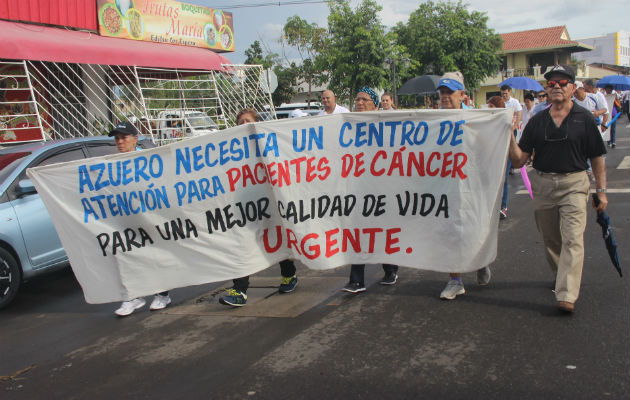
524 191
625 163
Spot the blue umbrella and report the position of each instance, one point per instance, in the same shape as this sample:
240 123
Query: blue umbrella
618 82
522 82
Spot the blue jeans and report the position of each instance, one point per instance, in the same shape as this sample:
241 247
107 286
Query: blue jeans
504 199
613 132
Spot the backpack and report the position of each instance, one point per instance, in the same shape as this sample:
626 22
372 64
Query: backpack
617 105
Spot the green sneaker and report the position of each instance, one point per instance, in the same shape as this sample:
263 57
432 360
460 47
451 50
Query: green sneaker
234 298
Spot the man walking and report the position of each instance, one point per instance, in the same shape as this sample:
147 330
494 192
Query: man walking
563 137
330 104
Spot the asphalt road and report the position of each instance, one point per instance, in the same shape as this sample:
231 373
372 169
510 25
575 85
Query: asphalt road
503 341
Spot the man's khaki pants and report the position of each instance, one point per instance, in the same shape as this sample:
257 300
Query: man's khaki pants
560 203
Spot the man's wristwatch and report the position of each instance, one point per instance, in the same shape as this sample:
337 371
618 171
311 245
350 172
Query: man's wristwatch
600 190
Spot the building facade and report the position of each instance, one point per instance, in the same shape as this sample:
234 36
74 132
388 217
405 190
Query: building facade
612 49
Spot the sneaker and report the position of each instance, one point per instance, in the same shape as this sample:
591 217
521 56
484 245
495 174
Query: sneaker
483 276
613 145
288 284
127 307
160 302
503 213
354 287
390 278
453 289
234 298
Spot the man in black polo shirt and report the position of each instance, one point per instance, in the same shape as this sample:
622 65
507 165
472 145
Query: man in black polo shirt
563 137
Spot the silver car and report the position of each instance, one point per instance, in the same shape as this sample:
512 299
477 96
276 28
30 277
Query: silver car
29 244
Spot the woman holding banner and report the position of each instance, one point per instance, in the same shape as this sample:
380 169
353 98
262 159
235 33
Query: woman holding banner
237 295
367 100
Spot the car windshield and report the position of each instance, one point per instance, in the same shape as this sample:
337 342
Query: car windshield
201 121
9 161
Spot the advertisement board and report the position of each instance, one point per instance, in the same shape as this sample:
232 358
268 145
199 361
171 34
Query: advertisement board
167 21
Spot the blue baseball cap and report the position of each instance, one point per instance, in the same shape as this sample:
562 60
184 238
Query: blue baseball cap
452 80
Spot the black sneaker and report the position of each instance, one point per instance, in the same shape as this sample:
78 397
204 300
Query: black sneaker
288 284
390 278
354 287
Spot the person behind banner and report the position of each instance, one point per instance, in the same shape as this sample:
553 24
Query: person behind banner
564 137
237 295
387 102
367 100
451 89
329 101
126 138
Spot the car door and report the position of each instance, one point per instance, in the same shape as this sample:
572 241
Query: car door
40 237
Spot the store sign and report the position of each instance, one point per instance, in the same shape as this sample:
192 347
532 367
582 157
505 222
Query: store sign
167 21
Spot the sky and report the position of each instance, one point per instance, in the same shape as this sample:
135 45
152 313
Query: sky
583 18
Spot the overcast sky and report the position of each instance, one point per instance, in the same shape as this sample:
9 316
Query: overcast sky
583 18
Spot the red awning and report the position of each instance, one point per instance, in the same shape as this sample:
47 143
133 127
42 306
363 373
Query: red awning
34 42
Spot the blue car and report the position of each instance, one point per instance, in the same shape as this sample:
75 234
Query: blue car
29 244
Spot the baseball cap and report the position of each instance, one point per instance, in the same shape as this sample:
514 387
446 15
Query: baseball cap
561 69
579 84
126 128
452 80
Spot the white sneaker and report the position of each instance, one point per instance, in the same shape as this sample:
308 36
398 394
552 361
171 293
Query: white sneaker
127 307
160 302
453 289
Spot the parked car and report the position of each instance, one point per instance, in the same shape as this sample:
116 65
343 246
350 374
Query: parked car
29 244
284 110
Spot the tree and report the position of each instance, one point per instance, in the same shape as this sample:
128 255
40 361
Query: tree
308 40
255 56
355 49
445 36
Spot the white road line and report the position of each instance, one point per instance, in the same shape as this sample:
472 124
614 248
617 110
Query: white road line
524 191
625 163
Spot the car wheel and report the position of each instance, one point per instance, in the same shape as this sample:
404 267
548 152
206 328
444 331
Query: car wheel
10 277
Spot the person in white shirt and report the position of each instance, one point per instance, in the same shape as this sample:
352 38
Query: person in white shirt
528 109
611 97
330 104
589 87
511 102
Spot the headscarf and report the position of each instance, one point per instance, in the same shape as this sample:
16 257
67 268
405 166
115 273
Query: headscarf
371 93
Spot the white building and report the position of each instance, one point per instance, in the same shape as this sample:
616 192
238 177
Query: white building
612 49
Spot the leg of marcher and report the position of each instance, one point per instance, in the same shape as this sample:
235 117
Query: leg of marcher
547 217
504 199
357 276
237 295
289 279
391 274
572 224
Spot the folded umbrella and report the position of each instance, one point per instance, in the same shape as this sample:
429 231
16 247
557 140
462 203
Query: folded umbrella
611 245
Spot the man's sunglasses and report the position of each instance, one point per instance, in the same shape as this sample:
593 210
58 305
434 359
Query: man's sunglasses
561 82
542 96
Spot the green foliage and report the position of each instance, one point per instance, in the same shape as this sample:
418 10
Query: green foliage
255 56
308 40
445 36
287 77
356 47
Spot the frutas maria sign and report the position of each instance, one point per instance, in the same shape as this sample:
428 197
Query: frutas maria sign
167 21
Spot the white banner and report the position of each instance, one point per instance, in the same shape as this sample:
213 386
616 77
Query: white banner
417 189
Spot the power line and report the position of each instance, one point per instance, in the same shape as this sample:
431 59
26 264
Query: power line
272 4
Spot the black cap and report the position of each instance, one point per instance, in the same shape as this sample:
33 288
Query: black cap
561 69
126 128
